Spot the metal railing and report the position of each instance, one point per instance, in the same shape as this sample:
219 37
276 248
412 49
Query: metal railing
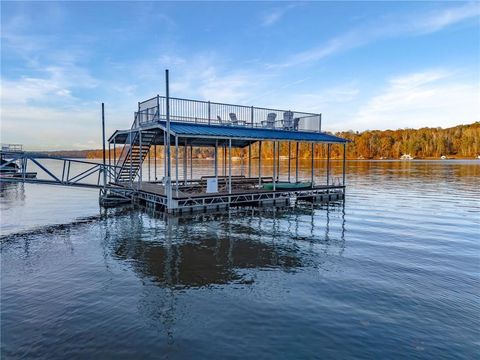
212 113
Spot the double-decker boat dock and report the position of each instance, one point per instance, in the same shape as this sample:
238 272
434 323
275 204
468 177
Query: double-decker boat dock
133 172
181 125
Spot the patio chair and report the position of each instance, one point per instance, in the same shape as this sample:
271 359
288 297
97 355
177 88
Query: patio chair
288 123
235 121
270 122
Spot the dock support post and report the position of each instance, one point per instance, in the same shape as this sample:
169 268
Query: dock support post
224 159
260 163
249 160
216 159
344 163
328 164
296 162
155 161
185 155
191 162
274 165
279 145
229 166
289 158
149 161
313 162
176 165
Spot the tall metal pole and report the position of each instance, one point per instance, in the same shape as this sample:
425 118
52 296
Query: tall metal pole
169 164
115 159
296 162
278 160
103 141
109 162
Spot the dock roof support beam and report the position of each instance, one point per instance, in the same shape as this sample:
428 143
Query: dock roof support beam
296 162
289 158
216 159
229 166
313 162
260 163
274 164
328 163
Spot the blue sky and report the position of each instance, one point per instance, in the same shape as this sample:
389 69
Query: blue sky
364 65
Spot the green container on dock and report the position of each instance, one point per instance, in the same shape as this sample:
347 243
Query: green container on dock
287 185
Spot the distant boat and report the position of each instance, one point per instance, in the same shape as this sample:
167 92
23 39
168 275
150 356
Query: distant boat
283 157
406 157
443 157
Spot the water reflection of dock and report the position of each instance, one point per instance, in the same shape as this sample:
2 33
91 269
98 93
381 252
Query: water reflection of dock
195 252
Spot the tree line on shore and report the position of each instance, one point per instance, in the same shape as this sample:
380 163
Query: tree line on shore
462 141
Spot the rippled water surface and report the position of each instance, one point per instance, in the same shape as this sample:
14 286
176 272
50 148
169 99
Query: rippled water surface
392 273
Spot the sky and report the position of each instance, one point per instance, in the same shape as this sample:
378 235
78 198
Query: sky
363 65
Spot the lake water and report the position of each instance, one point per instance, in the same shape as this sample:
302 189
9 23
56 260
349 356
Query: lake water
391 273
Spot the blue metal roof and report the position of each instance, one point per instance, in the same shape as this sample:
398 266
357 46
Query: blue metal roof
247 133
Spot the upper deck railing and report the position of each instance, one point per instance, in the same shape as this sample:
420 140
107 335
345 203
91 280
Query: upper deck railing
213 113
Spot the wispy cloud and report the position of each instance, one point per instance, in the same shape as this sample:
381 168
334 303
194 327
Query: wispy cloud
417 24
427 98
274 15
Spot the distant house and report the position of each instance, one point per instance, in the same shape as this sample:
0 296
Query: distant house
406 157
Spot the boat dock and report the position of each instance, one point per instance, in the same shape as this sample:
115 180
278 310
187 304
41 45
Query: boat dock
179 126
252 137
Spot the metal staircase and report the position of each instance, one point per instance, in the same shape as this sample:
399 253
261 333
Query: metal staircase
133 154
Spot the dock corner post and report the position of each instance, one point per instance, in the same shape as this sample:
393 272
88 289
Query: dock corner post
158 110
103 142
230 166
319 123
